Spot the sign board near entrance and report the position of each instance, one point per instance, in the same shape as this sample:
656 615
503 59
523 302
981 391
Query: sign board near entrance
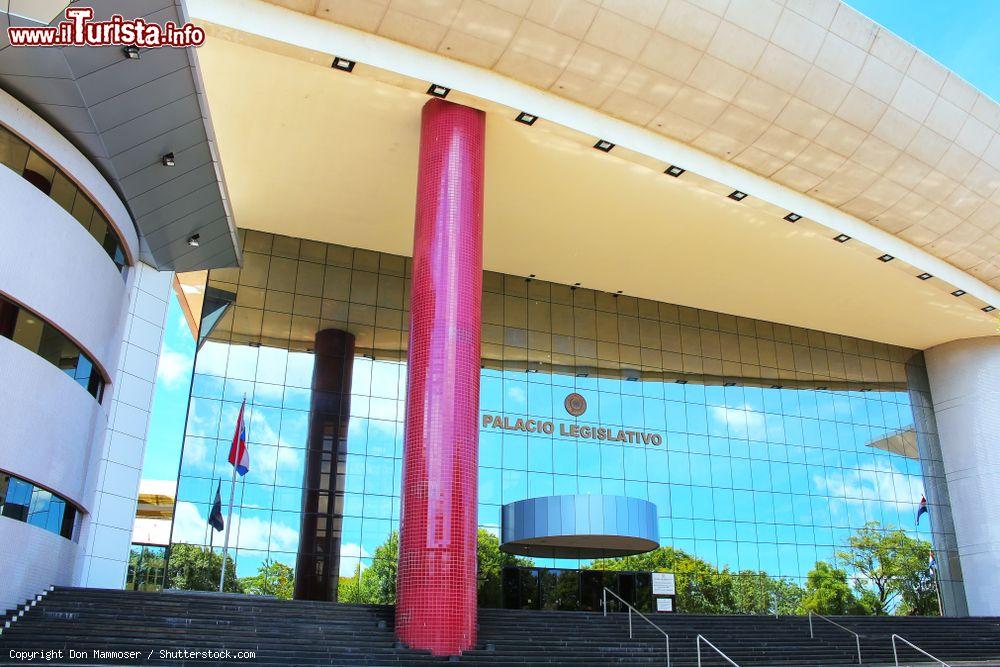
664 604
663 584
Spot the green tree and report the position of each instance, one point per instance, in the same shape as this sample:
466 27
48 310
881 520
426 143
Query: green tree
828 592
195 568
145 568
701 589
377 583
889 568
349 588
788 594
920 593
272 578
490 562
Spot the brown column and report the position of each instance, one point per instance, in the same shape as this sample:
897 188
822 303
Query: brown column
317 566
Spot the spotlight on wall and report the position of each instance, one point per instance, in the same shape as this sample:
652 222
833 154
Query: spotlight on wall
168 160
438 91
343 64
193 240
526 118
132 52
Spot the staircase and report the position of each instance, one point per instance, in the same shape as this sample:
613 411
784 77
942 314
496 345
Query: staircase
319 633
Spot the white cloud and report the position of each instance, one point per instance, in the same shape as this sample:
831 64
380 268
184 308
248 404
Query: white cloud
173 369
190 526
742 422
516 394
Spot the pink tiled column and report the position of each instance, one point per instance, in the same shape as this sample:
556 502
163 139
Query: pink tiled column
436 588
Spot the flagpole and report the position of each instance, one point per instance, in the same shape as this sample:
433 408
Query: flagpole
229 523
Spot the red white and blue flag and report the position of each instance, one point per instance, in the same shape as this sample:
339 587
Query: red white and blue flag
922 509
239 455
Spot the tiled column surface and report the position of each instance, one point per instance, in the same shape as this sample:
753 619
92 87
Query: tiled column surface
436 591
965 386
116 456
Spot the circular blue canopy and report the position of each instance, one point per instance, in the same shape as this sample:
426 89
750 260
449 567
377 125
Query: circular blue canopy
580 526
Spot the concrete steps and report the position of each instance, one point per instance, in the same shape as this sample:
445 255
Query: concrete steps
318 633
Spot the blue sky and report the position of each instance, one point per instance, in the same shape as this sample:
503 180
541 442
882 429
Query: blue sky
964 36
173 379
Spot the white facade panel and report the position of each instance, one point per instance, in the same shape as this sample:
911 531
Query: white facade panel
118 452
52 265
43 559
965 385
49 420
33 129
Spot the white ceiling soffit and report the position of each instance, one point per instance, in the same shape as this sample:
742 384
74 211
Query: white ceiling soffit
318 153
810 94
256 18
124 115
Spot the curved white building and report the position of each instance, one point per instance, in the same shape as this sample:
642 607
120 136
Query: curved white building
83 299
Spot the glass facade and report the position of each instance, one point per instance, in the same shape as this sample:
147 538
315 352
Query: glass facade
23 159
774 444
29 330
23 501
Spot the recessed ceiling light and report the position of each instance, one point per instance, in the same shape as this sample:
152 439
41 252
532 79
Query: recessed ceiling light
737 195
132 52
530 370
886 258
526 118
168 160
681 381
793 217
632 378
193 240
604 145
618 292
576 284
841 238
925 276
988 309
958 292
775 386
343 64
582 375
438 91
728 384
821 388
674 170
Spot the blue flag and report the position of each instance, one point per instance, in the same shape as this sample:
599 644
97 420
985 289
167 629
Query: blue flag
215 517
922 509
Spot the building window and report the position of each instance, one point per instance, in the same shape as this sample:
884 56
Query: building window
19 156
23 501
29 330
